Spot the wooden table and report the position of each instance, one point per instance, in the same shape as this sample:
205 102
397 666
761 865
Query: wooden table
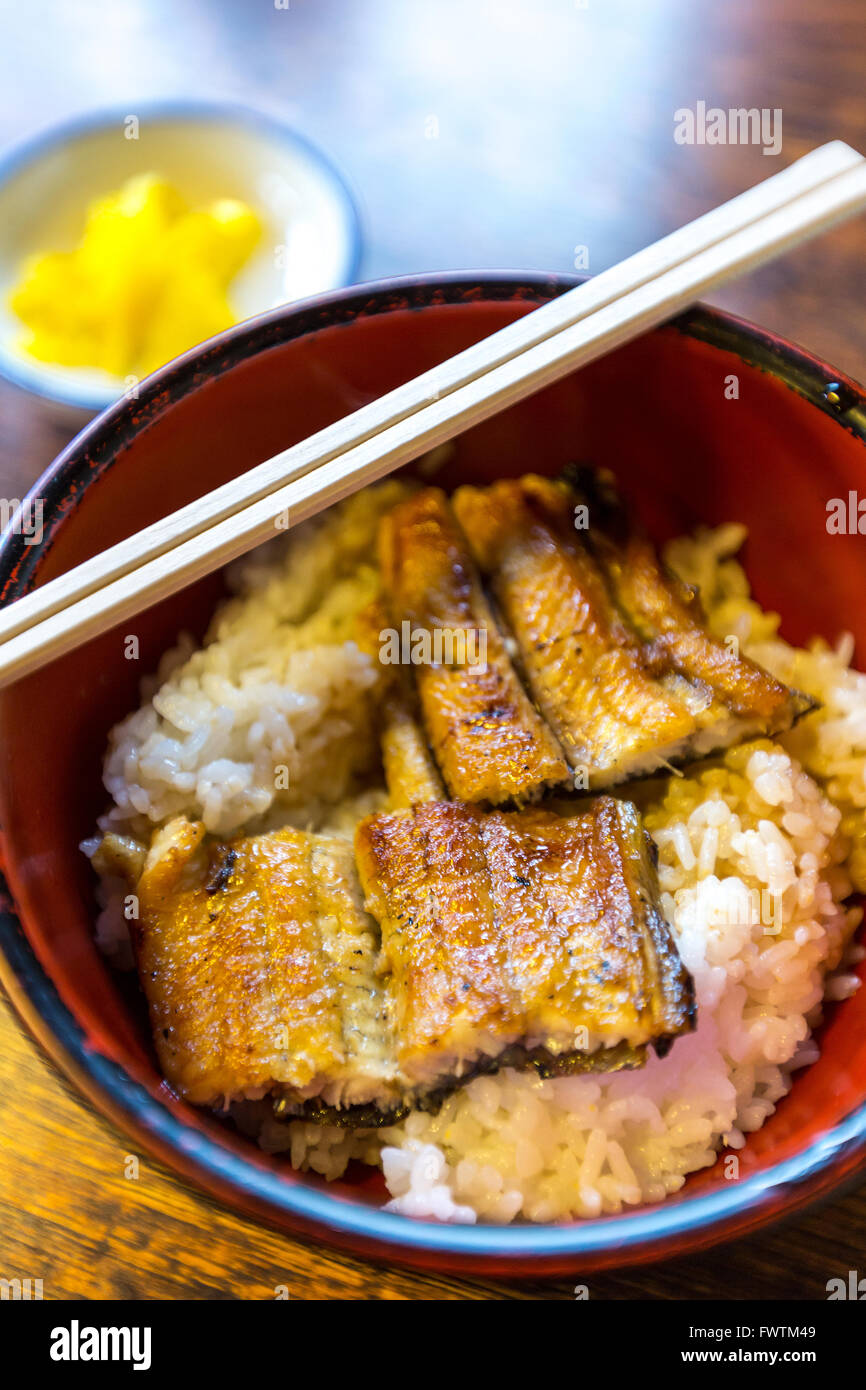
476 135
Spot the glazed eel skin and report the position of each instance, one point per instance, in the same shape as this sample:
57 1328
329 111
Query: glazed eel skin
614 650
464 941
490 743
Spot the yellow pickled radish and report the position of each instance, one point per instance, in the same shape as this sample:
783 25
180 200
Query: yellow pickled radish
221 236
52 293
148 279
192 307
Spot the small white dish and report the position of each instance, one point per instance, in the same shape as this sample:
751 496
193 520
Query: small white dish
311 240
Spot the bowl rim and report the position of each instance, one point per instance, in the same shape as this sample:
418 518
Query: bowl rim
829 1162
32 148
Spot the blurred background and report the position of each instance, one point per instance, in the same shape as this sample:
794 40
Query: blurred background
480 133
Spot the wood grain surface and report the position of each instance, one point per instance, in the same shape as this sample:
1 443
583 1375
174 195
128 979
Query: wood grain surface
554 129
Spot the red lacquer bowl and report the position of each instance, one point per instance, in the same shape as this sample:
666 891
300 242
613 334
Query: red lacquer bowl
658 413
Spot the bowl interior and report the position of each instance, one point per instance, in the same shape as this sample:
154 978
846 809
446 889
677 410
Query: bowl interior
308 245
656 412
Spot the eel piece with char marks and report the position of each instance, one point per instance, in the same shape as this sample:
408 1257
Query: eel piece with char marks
260 969
614 650
489 742
473 940
521 938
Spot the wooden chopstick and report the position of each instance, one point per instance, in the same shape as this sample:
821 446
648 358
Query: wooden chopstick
623 318
807 174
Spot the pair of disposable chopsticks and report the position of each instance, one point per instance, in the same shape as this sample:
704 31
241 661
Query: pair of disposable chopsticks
646 289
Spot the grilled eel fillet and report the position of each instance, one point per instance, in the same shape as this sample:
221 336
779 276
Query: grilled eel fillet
615 651
411 774
504 939
259 965
521 939
489 742
668 618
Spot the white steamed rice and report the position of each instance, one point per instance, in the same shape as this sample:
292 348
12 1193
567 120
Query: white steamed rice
270 723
